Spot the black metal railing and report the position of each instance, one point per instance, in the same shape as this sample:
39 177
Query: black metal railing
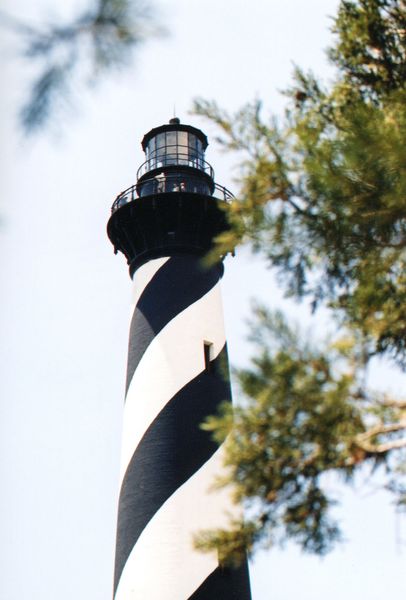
171 183
175 156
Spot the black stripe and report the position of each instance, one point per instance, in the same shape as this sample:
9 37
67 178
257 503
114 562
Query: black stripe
172 449
180 282
225 584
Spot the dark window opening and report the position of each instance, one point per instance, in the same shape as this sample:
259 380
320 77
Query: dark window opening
208 356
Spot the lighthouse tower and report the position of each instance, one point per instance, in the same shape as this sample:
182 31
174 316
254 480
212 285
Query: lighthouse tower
176 376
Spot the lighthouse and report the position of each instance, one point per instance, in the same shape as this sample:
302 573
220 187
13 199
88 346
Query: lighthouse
177 375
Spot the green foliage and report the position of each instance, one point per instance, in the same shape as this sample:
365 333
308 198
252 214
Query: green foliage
370 49
304 415
323 194
323 197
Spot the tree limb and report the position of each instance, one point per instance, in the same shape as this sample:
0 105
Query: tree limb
363 439
401 404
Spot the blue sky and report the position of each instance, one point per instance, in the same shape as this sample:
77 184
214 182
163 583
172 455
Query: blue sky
66 298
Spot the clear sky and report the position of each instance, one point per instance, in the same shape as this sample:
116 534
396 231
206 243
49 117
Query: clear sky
65 302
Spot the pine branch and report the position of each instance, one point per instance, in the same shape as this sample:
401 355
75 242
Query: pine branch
363 440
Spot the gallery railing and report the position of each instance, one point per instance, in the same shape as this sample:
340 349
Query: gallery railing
171 183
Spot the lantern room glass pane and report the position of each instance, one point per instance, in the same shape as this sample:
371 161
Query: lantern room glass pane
192 150
170 148
171 140
192 141
160 151
200 154
182 140
160 140
151 145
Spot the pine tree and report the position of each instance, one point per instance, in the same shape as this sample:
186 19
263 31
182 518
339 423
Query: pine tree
323 198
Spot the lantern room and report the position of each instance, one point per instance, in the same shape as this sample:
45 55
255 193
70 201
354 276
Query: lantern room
175 161
182 146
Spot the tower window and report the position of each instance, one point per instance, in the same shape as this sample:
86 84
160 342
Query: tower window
208 355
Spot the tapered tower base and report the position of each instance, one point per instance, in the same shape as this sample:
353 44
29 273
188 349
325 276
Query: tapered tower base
177 377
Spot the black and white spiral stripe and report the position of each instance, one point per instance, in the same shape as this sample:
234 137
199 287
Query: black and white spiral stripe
168 462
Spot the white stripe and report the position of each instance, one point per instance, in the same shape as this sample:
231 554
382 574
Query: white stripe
143 276
173 358
163 564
